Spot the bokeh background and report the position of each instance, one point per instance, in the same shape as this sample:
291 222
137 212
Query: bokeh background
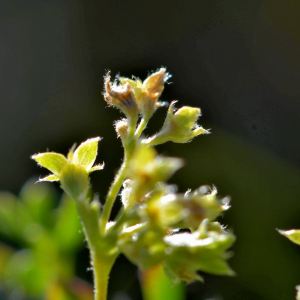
238 60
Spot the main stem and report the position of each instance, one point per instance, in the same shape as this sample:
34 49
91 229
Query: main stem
101 270
102 256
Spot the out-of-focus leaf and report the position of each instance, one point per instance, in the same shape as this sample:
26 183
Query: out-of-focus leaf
23 270
67 231
56 291
40 200
157 286
81 289
5 253
8 225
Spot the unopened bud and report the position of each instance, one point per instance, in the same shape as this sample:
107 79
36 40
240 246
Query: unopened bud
121 96
179 127
147 92
121 127
126 193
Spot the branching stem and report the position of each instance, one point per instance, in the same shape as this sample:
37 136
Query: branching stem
141 127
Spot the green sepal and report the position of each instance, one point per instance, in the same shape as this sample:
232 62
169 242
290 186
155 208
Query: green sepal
85 154
142 245
96 168
50 178
203 250
74 181
51 161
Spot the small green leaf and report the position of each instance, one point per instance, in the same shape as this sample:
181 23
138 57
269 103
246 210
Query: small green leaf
51 161
85 154
293 235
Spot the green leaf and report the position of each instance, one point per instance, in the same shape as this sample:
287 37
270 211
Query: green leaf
51 161
85 154
23 270
293 235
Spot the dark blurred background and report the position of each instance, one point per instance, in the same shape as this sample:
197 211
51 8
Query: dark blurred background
238 60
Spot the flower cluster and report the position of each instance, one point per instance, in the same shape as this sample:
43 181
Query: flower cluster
156 224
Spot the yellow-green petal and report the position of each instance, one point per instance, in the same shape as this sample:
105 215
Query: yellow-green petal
50 178
124 80
293 235
51 161
85 154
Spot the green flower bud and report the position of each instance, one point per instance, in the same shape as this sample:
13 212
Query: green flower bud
126 193
142 245
180 127
191 252
74 181
147 170
121 127
184 211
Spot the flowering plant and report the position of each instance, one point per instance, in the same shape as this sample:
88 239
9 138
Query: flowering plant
148 227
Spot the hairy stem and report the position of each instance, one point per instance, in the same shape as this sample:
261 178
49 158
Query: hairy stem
101 270
112 194
141 127
120 177
102 256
